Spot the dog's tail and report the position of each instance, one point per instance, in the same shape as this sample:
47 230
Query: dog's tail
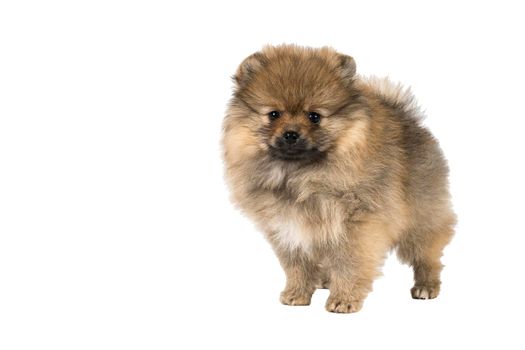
393 93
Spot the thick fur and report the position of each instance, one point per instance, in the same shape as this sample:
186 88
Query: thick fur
373 179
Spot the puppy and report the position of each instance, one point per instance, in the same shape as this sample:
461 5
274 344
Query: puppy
336 170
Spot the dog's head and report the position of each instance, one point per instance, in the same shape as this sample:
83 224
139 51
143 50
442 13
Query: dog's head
292 100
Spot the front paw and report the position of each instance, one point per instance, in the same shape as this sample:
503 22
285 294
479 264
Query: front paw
343 305
429 291
295 297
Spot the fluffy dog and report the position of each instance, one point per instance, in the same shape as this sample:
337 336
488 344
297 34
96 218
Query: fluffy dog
336 170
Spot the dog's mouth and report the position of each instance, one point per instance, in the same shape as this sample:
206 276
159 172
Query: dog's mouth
295 153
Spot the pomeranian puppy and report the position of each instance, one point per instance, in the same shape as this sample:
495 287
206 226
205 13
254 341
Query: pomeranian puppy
336 170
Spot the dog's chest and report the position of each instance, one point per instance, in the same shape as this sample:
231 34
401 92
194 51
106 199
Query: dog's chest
302 227
292 234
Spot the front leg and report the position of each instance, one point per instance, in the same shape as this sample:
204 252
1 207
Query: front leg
354 264
301 276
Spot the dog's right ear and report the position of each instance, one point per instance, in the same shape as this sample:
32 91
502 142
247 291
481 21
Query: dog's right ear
247 69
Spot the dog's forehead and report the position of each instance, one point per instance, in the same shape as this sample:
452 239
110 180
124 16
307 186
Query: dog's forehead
305 71
294 89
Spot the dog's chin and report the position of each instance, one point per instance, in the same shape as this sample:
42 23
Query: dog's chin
296 155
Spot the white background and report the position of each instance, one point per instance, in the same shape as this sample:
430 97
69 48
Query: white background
116 231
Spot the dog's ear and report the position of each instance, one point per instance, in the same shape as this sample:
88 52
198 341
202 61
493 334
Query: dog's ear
347 66
248 68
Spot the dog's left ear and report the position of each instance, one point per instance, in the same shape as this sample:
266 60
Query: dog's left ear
347 66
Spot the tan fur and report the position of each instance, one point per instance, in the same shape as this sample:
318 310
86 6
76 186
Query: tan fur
376 179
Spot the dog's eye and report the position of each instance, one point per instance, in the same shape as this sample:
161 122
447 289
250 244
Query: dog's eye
314 117
274 115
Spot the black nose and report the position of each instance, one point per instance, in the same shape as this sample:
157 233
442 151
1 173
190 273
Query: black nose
290 136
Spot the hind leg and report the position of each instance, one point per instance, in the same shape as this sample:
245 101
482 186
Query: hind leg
423 250
323 278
